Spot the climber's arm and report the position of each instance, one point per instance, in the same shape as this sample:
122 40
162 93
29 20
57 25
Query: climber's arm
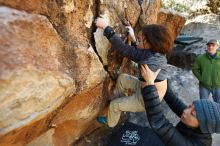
131 52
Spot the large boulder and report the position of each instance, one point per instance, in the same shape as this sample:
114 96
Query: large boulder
73 22
173 20
206 26
150 10
33 82
35 6
73 120
40 73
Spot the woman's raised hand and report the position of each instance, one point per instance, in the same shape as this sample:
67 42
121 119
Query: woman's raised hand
101 23
148 75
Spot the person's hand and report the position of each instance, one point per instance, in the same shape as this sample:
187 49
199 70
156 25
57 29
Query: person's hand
131 33
101 23
148 75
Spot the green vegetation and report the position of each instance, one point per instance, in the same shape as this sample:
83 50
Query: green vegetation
192 8
175 5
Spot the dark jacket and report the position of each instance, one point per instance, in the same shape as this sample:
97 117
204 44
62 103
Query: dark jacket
181 135
141 56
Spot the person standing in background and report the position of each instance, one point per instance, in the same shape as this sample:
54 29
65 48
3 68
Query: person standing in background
207 70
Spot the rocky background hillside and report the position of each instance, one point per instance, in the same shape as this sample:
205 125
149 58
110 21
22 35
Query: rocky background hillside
192 8
57 69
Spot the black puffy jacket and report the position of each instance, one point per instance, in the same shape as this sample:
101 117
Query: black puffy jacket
181 135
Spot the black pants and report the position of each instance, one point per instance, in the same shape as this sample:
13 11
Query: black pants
134 135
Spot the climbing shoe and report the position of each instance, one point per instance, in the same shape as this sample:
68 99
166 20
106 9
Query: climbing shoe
102 120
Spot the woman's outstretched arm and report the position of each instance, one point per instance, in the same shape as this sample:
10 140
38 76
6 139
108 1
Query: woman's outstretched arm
175 103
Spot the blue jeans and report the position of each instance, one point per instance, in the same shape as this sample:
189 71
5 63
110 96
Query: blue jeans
204 93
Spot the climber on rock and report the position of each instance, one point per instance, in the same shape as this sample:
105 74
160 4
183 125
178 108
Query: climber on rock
154 42
198 120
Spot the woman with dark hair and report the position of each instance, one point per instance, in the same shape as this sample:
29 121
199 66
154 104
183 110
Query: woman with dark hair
154 43
158 37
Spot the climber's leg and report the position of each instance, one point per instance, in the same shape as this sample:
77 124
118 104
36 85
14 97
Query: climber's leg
132 103
126 85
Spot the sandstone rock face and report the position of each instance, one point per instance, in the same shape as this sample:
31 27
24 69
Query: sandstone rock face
149 7
172 20
73 22
36 6
132 12
32 80
72 121
77 113
53 70
44 139
35 75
